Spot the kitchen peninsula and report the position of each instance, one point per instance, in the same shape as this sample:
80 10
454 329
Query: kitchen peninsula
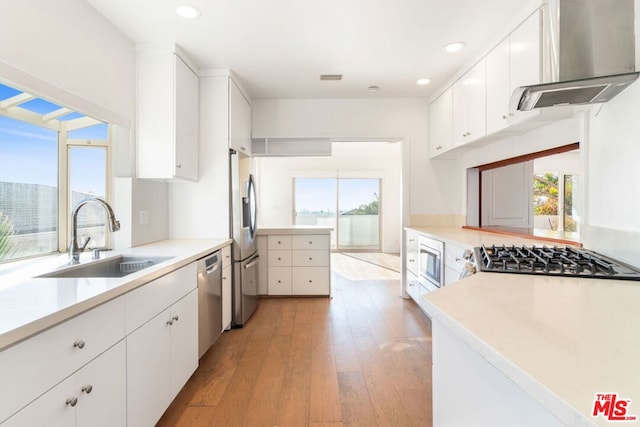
518 349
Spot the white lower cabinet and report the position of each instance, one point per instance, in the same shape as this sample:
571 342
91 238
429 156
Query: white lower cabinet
95 396
226 297
299 264
161 356
310 281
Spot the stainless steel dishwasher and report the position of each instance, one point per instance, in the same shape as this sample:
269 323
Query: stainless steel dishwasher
209 301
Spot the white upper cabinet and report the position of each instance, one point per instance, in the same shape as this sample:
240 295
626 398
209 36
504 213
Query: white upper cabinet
514 62
167 116
441 124
469 105
240 120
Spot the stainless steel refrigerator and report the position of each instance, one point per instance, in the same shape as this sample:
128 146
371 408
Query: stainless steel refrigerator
244 213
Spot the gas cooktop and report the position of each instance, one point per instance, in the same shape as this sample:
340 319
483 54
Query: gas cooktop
552 261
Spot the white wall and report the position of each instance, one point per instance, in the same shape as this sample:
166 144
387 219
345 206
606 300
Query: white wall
429 187
349 160
67 51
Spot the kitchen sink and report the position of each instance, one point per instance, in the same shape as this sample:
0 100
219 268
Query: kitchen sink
118 266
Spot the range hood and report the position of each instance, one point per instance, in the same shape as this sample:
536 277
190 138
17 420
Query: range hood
591 54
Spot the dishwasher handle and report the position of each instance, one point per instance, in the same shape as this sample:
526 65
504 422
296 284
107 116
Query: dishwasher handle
212 268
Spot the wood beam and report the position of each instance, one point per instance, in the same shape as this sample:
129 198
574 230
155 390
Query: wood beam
16 100
82 122
55 114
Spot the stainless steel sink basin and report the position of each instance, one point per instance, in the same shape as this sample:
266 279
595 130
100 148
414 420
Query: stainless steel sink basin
118 266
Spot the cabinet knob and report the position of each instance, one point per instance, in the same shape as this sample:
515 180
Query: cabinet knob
310 281
224 277
505 117
79 344
439 147
170 322
279 281
310 259
243 148
279 259
310 242
176 318
87 389
72 401
179 166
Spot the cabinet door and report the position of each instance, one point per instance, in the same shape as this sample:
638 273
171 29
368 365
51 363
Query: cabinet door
279 280
101 387
240 120
310 280
413 286
186 117
279 258
412 253
226 297
498 87
469 105
184 341
148 367
317 258
53 409
525 64
441 124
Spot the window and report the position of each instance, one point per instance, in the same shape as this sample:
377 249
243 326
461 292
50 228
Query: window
51 158
349 205
554 209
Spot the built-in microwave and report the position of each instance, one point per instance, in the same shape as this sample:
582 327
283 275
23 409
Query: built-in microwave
431 261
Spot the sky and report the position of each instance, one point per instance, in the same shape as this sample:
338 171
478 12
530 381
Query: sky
319 194
29 153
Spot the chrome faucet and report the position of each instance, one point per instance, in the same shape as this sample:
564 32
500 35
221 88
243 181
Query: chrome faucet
74 249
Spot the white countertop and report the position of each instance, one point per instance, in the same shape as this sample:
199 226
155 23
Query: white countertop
562 340
294 229
472 238
34 304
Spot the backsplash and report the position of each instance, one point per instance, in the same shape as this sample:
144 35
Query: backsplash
621 245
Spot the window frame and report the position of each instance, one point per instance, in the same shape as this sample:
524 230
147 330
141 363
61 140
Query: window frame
50 121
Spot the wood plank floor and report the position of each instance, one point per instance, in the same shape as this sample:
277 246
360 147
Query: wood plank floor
360 358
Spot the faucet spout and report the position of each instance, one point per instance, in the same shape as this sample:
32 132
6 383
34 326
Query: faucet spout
74 248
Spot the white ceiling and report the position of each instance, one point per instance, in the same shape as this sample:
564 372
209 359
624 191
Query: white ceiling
278 48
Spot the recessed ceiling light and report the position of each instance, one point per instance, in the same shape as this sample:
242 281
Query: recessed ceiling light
454 47
423 82
373 88
188 12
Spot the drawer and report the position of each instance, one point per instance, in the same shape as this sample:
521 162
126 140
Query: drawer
310 241
279 242
316 258
310 281
33 366
413 287
226 256
145 302
279 258
279 280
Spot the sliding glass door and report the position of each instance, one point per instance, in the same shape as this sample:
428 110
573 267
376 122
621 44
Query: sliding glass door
349 205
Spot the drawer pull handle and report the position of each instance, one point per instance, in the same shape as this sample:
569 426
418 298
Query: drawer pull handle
279 259
72 401
170 322
279 281
87 389
79 344
310 242
176 318
310 281
279 242
412 260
